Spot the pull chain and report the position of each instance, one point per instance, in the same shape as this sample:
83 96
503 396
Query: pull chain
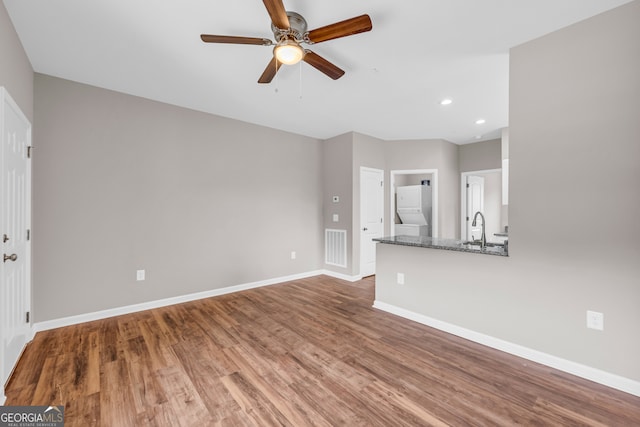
300 89
276 65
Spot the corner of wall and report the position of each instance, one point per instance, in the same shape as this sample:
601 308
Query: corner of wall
16 72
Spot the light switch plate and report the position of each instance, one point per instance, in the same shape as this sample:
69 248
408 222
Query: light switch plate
140 275
335 217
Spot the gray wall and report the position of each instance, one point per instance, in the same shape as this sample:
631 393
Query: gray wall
199 201
16 74
449 191
493 205
412 179
337 178
432 154
586 144
480 156
574 132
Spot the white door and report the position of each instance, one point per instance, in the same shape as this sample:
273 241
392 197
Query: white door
371 209
475 203
15 218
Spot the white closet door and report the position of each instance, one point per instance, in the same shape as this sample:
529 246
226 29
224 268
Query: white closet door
15 218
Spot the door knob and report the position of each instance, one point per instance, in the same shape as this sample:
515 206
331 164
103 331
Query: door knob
365 229
11 257
5 238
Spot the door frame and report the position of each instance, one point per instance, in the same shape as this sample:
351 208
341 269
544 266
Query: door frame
6 101
434 195
360 231
463 196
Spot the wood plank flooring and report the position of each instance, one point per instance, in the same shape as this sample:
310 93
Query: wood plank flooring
310 352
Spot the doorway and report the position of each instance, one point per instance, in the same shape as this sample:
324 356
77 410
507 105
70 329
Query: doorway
481 191
15 221
371 217
407 177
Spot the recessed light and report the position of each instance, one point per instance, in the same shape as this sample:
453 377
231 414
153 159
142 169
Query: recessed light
480 121
446 101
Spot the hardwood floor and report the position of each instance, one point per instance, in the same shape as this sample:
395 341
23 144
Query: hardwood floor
309 352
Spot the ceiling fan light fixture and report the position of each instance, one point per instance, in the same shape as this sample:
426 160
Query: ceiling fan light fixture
288 52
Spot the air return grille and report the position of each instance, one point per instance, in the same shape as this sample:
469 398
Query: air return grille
335 247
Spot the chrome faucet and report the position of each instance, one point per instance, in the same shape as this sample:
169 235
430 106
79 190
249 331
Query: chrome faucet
483 238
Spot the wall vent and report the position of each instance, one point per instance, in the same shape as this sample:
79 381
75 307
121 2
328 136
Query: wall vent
335 247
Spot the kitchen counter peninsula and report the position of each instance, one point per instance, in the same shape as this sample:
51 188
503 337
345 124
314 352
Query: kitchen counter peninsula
446 244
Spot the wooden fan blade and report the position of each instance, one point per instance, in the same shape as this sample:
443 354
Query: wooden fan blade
359 24
277 13
270 72
210 38
322 65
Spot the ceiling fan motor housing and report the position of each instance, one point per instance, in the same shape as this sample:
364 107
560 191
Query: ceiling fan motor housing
296 31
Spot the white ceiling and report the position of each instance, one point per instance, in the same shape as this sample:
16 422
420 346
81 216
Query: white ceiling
418 52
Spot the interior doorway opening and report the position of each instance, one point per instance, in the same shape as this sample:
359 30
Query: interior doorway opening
408 177
482 191
371 217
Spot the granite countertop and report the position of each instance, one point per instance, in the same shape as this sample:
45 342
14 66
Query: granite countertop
446 244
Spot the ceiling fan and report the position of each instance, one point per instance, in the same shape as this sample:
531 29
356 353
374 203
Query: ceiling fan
290 31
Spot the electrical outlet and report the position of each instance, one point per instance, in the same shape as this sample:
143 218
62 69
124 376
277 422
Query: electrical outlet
140 275
595 320
400 279
293 254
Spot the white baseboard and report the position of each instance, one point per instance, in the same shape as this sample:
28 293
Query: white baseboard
341 276
596 375
103 314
